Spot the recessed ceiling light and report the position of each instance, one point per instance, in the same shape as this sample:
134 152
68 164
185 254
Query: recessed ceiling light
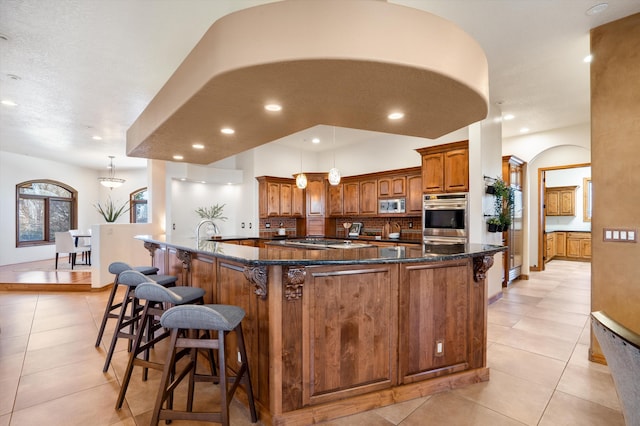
178 157
588 59
395 115
524 130
96 138
14 77
183 179
197 146
598 8
273 107
497 120
315 140
508 117
227 130
7 102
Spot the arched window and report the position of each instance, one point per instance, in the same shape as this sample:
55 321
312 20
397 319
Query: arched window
138 206
43 208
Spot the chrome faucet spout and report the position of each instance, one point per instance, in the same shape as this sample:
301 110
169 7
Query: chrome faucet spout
202 222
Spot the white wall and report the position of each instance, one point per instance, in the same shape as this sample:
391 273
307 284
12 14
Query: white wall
16 168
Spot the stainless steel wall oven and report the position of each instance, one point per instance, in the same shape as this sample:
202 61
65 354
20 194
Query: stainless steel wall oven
445 218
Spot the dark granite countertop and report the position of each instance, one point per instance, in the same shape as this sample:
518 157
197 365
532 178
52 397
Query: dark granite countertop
279 253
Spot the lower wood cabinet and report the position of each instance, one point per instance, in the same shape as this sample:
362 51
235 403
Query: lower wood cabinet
567 245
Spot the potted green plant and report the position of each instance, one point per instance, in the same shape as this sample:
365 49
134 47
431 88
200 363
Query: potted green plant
503 204
493 223
110 211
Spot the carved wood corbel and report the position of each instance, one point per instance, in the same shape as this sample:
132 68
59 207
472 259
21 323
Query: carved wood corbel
185 257
151 248
481 265
294 281
257 275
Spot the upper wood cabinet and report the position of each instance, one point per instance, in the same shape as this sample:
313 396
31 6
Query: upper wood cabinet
560 201
392 187
351 198
414 195
369 197
279 197
316 193
445 168
335 200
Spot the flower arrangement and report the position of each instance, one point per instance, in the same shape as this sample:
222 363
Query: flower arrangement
213 212
110 211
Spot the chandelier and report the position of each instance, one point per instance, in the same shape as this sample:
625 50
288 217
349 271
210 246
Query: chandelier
111 181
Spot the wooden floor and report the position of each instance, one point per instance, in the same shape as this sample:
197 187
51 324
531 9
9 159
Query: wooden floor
42 276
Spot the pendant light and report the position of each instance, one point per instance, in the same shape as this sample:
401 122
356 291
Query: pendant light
111 181
301 179
334 173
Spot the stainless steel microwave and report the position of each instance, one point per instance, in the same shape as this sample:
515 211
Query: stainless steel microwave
396 205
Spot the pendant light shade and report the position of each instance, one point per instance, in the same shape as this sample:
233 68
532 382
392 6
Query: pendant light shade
111 181
334 173
301 181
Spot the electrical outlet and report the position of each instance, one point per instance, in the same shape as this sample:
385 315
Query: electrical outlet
250 225
267 225
242 225
439 347
174 227
410 224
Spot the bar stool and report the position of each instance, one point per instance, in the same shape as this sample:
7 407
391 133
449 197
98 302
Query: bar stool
131 319
223 319
157 297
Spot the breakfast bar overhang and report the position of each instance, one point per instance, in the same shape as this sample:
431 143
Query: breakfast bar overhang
339 331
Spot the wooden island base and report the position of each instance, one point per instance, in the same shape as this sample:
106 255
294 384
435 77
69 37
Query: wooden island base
334 333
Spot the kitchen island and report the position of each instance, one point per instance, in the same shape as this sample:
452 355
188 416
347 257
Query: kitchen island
335 331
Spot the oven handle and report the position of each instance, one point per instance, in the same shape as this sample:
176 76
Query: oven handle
445 207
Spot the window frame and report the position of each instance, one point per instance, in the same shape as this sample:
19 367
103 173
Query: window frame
133 203
47 205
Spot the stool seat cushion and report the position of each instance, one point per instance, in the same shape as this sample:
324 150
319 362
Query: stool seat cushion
146 270
203 317
164 280
117 268
175 295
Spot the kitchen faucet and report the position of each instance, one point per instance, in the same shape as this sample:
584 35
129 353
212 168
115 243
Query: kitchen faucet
216 230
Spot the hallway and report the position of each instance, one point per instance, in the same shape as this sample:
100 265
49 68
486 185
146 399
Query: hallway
51 374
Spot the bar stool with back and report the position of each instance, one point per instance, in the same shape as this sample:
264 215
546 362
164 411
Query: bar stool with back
223 319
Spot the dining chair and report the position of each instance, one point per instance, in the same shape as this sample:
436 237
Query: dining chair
66 245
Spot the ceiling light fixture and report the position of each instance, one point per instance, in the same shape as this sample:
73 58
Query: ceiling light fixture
273 107
598 8
588 59
96 138
395 115
8 102
508 117
227 130
111 181
301 179
334 173
315 140
524 130
197 146
178 157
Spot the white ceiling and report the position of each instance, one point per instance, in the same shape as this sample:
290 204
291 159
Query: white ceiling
88 68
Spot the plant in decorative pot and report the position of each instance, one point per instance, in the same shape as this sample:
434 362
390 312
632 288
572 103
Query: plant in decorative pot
110 211
493 223
503 204
211 214
505 221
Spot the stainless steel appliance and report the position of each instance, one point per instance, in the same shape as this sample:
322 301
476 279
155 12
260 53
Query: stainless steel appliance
445 218
396 205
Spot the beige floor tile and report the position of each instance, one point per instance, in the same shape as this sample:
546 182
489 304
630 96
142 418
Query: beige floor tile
46 339
61 355
397 412
4 420
495 332
15 324
13 345
539 344
8 389
569 410
86 407
565 306
569 333
590 384
11 365
363 419
512 307
9 298
568 318
528 291
57 382
525 365
447 408
507 319
61 320
510 396
580 357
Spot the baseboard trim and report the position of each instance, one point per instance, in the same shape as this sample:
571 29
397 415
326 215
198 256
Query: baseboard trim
494 298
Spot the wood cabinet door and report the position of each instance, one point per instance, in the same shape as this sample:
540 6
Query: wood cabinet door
433 320
315 198
552 203
335 200
349 330
561 243
351 198
567 203
315 226
456 170
297 201
273 199
368 197
433 173
585 249
414 195
573 247
384 187
398 186
285 199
